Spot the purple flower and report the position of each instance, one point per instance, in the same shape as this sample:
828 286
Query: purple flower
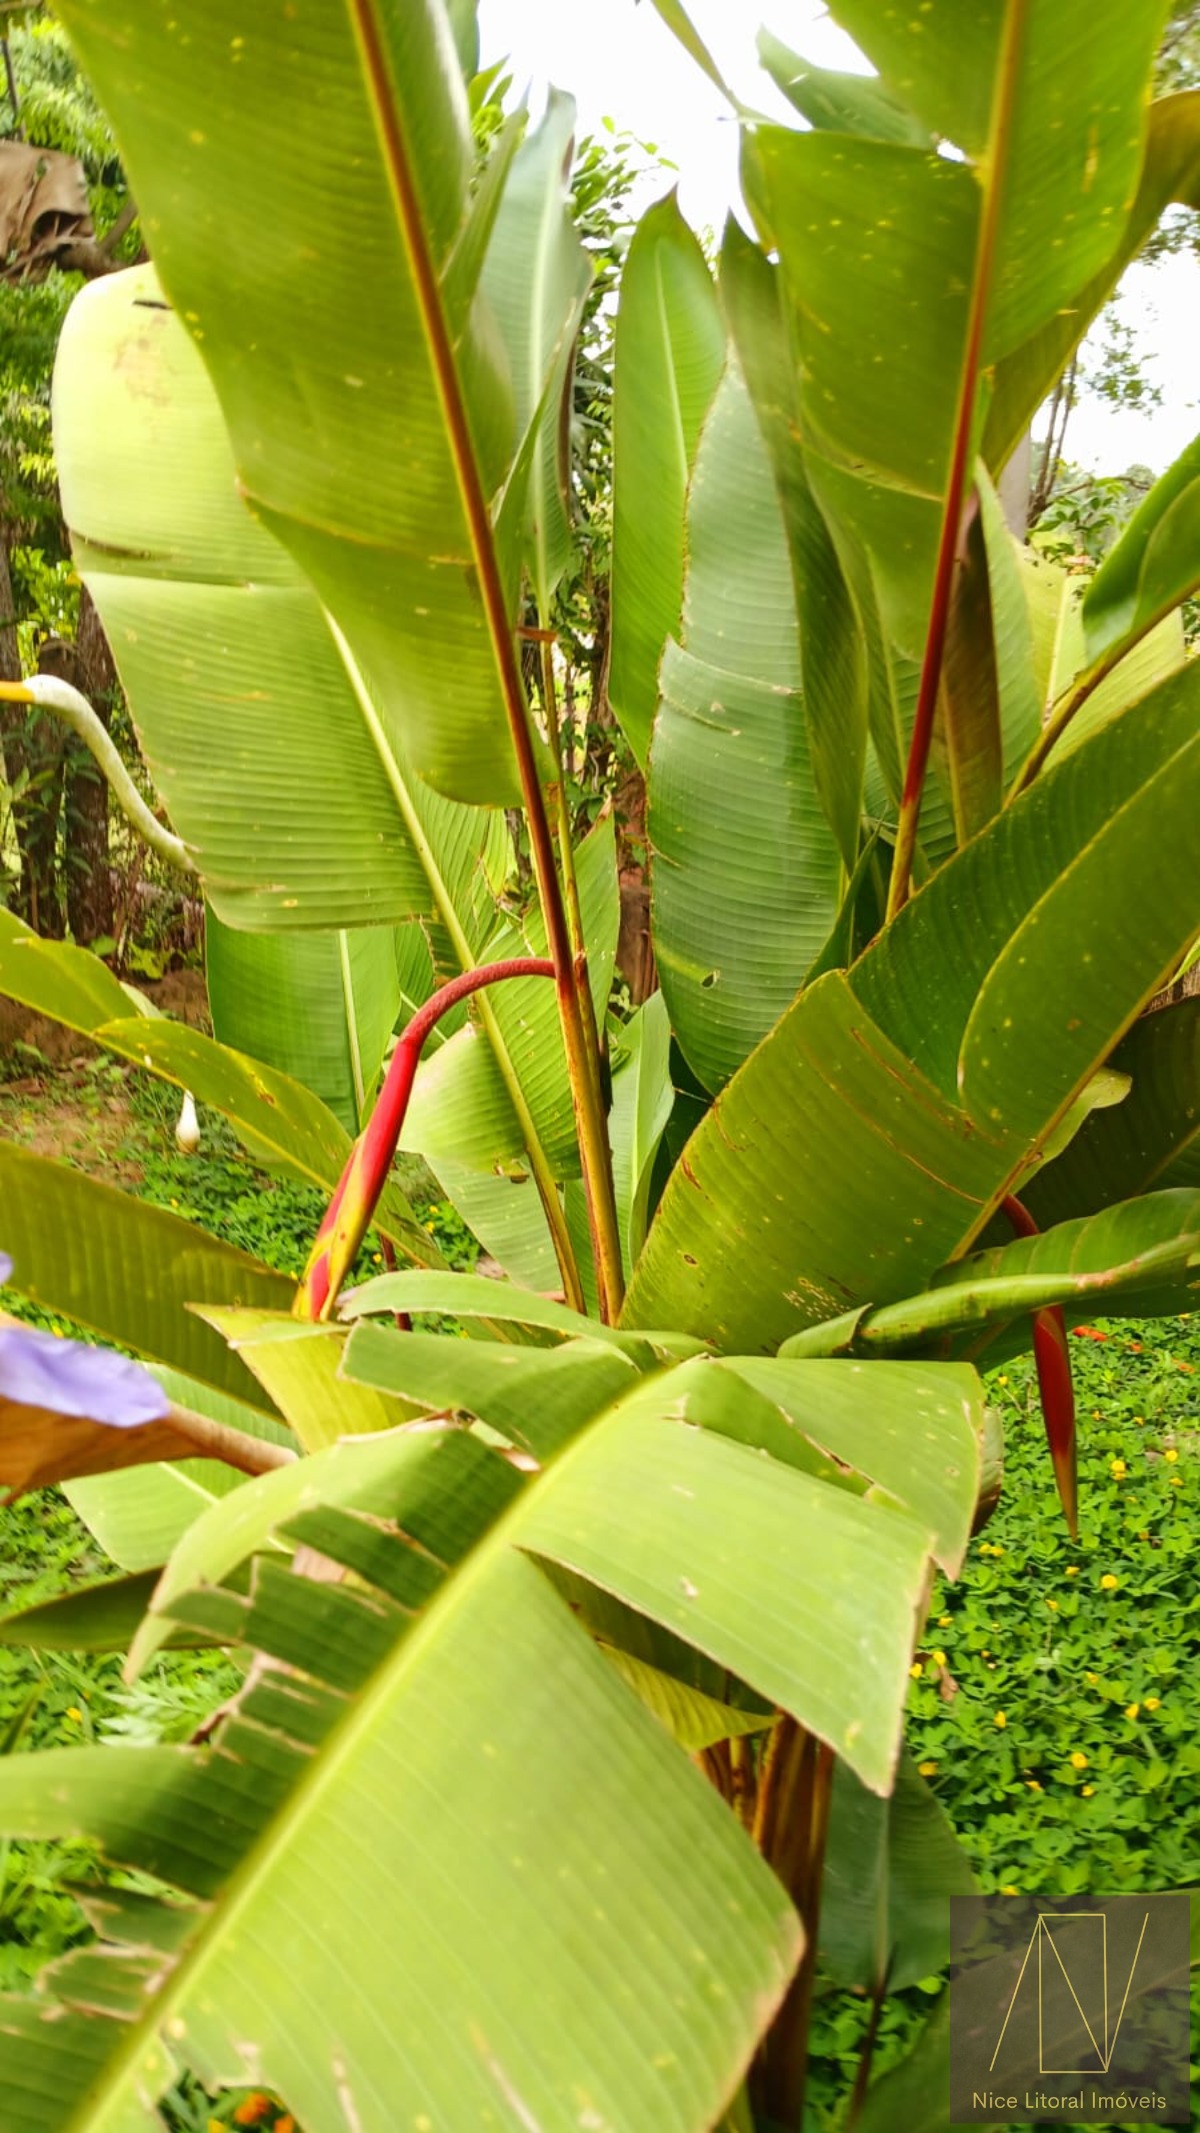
70 1378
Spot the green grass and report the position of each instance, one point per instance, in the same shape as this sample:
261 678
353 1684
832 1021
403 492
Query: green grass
1053 1713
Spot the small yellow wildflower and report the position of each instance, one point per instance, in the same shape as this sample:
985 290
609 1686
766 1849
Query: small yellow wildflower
1153 1702
1053 1604
1132 1709
1000 1720
1087 1792
1002 1379
1170 1455
1091 1679
377 1258
1139 1419
1033 1784
927 1770
1118 1469
916 1670
1177 1481
944 1621
74 1712
1079 1761
939 1658
1072 1570
1108 1582
1010 1891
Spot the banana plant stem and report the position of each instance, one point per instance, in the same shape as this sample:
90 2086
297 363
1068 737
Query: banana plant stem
790 1828
590 1123
348 1216
606 1242
1000 134
1075 697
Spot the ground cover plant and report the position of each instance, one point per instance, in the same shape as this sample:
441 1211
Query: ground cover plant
585 1602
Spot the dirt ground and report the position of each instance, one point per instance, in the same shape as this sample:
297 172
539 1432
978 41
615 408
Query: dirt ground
73 1113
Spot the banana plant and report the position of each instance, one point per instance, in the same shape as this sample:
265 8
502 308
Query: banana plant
581 1603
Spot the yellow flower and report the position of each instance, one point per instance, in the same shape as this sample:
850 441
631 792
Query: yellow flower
1072 1570
1153 1702
1002 1379
1079 1761
927 1769
916 1670
1132 1709
1108 1582
1091 1679
73 1711
1139 1419
377 1258
1010 1891
1033 1784
1177 1481
1118 1469
1087 1791
939 1658
944 1621
1170 1455
1052 1603
1000 1720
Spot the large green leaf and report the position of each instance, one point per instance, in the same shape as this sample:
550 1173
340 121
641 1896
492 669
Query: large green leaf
1170 172
337 408
1141 1257
297 1365
318 1006
868 1139
1151 1139
642 1100
535 277
275 828
832 654
746 868
126 1270
870 1425
681 1917
1046 101
670 351
1152 567
839 103
140 1515
890 1868
279 1118
297 806
537 1398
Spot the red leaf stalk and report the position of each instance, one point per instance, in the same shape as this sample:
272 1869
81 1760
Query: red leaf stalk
348 1216
1055 1385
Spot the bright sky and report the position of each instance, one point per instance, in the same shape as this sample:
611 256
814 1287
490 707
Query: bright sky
620 62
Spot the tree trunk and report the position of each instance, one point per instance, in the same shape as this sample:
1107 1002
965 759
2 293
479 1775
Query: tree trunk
89 880
635 952
33 759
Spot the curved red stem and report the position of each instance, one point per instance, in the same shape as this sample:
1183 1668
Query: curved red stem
1055 1385
348 1216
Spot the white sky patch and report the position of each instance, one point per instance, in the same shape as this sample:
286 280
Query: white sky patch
621 62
